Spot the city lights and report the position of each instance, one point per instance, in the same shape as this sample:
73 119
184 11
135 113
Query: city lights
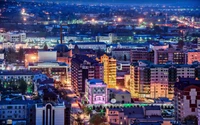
119 19
100 62
140 20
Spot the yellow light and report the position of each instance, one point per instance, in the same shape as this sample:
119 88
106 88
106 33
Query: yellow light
119 19
140 20
93 20
81 116
33 57
24 18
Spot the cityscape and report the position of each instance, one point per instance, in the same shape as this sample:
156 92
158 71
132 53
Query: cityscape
99 62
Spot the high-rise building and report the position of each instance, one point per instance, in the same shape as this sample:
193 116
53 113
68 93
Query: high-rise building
82 68
143 54
157 80
186 98
110 70
175 56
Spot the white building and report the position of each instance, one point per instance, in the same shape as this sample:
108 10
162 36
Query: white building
107 39
50 114
47 56
12 37
88 45
96 91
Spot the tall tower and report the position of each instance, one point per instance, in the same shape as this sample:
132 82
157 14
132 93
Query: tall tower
110 70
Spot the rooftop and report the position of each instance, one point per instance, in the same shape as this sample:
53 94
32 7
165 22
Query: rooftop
18 72
183 83
118 91
96 81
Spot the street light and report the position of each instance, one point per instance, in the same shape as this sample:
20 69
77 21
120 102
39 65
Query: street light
119 19
140 20
24 18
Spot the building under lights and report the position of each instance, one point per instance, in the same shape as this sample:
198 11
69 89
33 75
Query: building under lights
157 80
48 65
84 67
95 91
186 98
110 70
13 37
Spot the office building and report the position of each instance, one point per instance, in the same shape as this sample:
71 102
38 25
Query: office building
96 91
84 67
13 37
17 112
142 54
135 115
110 70
50 114
157 80
121 54
26 75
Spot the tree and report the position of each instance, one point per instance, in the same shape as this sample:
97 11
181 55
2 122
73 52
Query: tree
87 110
78 120
180 44
22 86
97 119
20 54
191 120
45 46
125 58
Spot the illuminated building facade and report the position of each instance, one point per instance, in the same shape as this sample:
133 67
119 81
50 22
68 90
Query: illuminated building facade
95 91
84 67
157 80
30 58
193 56
186 98
56 70
47 64
110 70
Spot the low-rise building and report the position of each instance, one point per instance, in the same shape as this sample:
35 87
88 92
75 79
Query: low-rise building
50 114
119 96
17 112
134 115
27 75
96 91
13 37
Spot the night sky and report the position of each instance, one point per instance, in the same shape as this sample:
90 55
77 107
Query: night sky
196 2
